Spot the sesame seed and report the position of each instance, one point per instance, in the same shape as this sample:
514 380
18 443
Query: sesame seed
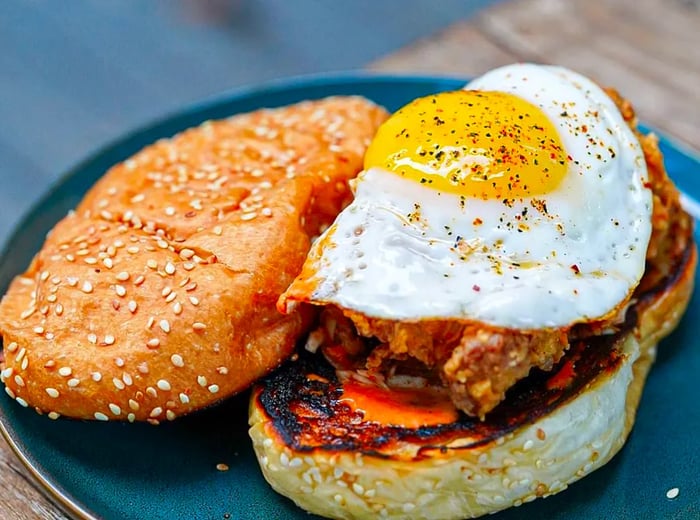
96 376
134 405
194 300
191 287
170 297
138 198
72 281
118 383
92 338
188 266
131 417
222 370
202 381
123 276
115 409
139 280
132 306
169 268
73 382
90 260
151 321
163 384
162 243
177 308
44 276
222 467
101 417
25 361
176 359
51 298
672 493
142 368
120 290
20 355
170 211
39 330
166 291
213 388
12 346
86 287
54 415
109 339
50 364
198 325
9 392
528 445
151 391
266 212
184 399
152 264
186 254
59 309
156 411
21 402
6 373
249 216
170 415
164 325
218 230
65 371
18 380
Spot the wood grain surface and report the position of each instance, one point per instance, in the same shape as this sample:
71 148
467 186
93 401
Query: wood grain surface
648 49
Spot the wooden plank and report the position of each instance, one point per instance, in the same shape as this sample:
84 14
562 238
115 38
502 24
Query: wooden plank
19 494
647 49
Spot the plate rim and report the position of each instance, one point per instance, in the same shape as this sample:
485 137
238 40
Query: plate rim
53 490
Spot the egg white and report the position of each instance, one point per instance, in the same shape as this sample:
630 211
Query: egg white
403 251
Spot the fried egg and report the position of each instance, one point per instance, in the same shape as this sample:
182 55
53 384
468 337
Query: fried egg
520 201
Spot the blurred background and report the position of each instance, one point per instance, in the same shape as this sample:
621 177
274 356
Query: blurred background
76 74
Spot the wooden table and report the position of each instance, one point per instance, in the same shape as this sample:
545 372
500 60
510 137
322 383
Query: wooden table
649 49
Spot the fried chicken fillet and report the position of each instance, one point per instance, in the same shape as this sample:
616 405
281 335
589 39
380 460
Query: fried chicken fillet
478 363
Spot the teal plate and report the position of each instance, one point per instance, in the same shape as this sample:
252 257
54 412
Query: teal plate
136 471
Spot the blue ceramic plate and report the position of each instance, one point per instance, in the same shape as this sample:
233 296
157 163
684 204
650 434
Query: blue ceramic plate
137 471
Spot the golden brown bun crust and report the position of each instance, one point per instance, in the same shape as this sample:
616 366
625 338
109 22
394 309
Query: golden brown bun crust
157 296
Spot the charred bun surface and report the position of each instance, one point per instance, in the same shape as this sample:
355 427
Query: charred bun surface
553 429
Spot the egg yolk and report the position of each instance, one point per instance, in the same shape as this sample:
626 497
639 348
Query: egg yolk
483 144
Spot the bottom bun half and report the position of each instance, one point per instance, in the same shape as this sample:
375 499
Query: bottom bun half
333 463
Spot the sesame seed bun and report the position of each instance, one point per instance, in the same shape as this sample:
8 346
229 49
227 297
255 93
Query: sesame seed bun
553 429
156 296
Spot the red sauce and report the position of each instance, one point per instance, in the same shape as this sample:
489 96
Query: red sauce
408 408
